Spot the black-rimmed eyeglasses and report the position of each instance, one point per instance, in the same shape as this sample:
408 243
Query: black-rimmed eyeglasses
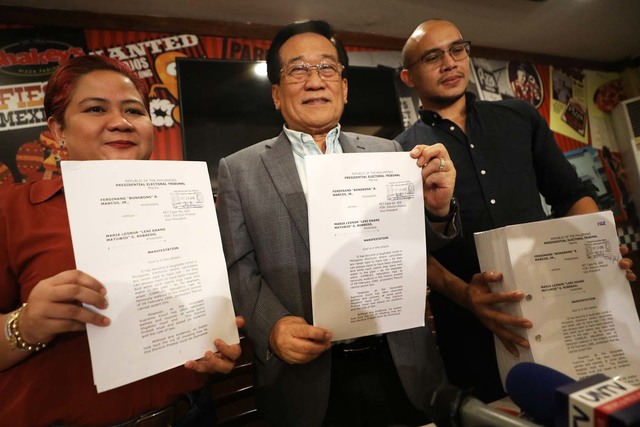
433 58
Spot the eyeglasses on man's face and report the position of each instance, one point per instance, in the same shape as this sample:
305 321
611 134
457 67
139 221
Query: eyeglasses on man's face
300 71
433 58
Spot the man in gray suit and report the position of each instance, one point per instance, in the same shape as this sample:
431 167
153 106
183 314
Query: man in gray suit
262 211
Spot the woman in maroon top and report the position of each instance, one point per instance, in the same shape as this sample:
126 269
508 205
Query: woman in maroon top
98 109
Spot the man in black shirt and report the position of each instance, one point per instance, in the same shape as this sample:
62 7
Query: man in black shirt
505 156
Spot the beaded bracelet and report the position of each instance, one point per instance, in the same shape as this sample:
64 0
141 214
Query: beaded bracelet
14 336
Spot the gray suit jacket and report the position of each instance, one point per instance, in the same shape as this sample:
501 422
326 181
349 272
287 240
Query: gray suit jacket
262 214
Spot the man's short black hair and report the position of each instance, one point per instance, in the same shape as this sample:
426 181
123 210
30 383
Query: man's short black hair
300 27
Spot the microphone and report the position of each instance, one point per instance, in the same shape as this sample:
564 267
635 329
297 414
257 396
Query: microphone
453 407
532 387
556 400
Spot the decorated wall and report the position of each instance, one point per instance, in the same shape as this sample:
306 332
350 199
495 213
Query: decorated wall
28 57
576 103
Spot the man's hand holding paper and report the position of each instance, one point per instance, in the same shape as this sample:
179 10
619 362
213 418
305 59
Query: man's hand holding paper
577 297
438 177
485 304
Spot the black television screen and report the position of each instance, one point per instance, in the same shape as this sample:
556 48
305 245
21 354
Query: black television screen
226 106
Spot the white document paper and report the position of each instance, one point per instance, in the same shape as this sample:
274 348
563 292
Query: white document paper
367 243
148 231
578 299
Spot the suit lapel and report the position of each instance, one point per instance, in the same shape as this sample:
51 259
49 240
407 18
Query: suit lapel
282 168
351 144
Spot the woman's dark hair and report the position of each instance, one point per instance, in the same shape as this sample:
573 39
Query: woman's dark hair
300 27
63 81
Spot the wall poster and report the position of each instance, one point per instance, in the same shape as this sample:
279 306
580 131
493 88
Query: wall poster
27 59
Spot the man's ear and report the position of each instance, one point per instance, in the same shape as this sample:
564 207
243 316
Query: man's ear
345 90
56 129
275 95
406 77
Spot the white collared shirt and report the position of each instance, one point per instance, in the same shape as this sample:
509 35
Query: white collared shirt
302 145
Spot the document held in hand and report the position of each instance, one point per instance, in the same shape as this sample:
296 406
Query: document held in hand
147 230
577 297
367 243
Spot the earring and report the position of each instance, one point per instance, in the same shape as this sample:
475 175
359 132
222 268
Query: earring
61 143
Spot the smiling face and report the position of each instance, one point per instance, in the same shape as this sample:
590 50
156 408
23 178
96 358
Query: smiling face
446 84
313 106
105 119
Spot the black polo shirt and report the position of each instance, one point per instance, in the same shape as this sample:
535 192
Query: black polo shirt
506 159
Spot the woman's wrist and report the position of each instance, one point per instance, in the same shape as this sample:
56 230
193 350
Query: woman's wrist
14 335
